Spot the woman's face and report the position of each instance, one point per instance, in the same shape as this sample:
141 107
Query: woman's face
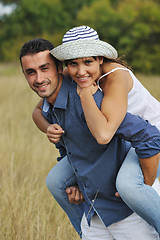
85 71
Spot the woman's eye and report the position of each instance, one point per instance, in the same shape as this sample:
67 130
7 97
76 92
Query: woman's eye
73 63
88 61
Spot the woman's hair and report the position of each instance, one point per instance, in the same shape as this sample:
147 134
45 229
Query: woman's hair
118 60
67 61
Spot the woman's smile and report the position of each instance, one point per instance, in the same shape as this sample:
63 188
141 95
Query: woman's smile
85 71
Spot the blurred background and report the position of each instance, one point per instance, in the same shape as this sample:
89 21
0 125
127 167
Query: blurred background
27 209
131 26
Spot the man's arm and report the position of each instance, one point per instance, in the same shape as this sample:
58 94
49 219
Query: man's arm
149 168
145 138
38 118
54 133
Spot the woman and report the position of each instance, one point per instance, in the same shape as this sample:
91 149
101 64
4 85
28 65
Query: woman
88 59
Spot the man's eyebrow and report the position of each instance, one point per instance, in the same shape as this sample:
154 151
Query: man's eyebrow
29 70
32 69
44 65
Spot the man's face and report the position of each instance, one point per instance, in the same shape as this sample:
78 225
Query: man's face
41 73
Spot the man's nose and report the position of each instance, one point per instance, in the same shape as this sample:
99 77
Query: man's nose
39 77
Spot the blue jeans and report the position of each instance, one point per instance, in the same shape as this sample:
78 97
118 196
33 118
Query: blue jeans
58 179
141 198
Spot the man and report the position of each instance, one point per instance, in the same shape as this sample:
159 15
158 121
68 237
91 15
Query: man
95 165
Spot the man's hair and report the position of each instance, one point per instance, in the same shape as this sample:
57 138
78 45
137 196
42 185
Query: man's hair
35 46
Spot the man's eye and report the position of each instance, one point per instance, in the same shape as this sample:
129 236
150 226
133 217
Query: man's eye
44 68
30 73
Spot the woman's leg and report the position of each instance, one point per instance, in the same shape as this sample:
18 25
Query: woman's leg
141 198
58 179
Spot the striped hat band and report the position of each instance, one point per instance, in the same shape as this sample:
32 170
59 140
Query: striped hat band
80 33
81 42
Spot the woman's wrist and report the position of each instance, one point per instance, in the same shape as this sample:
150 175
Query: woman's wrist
84 92
87 91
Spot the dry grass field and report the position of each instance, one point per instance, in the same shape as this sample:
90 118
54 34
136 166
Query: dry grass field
27 209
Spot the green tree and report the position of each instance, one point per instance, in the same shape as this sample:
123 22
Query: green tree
132 26
73 7
5 2
28 21
32 18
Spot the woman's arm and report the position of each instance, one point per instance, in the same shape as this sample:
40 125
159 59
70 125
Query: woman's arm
104 123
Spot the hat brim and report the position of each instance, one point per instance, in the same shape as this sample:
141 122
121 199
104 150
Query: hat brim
84 48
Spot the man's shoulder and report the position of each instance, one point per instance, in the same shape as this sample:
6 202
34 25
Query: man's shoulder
67 83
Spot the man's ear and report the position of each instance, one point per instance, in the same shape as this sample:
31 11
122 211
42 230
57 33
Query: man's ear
60 67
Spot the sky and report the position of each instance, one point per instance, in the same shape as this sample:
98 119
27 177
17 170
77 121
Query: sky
5 9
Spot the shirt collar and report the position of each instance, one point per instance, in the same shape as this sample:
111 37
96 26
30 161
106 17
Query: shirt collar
62 98
45 105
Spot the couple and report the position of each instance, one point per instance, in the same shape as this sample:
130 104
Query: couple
70 110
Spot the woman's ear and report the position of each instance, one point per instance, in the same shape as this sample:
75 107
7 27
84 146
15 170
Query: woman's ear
100 60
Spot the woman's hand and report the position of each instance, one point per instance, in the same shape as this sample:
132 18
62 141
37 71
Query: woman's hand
90 89
54 133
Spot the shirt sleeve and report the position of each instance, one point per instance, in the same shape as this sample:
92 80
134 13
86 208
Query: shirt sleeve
143 136
46 112
62 151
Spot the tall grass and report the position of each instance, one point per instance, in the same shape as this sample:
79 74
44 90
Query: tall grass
27 209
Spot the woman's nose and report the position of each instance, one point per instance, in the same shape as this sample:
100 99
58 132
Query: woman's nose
81 71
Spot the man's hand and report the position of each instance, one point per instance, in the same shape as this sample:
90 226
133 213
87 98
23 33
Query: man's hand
54 133
149 168
74 195
117 194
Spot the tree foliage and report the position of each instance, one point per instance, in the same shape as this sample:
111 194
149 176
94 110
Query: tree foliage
132 26
9 1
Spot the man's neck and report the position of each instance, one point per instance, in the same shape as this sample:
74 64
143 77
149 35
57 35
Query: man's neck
51 99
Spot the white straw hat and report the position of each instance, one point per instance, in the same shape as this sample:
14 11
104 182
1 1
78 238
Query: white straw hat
81 42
